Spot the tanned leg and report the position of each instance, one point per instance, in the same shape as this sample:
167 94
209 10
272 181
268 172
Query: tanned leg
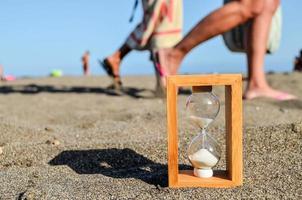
217 22
116 58
257 44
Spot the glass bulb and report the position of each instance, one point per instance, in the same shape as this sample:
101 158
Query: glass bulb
203 152
202 108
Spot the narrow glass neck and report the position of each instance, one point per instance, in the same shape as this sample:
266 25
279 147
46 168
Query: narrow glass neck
203 135
203 130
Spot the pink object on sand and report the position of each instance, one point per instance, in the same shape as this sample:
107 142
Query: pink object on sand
284 97
9 78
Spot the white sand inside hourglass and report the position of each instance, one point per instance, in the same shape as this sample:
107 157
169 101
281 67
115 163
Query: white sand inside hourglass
203 159
200 122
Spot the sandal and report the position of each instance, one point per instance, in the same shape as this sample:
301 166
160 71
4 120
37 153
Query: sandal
117 83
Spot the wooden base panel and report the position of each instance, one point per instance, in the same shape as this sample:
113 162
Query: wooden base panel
220 179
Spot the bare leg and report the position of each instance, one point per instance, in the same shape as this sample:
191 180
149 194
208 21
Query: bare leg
257 41
86 69
219 21
116 58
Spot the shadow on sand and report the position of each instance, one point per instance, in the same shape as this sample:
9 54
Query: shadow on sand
36 89
292 104
115 163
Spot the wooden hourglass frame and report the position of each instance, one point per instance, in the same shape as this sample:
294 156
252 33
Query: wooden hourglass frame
233 175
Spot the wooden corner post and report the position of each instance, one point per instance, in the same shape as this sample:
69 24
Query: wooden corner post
233 174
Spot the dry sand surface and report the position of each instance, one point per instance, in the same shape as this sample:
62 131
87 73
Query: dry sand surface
71 138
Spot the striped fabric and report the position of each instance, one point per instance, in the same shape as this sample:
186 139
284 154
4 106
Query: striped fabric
161 26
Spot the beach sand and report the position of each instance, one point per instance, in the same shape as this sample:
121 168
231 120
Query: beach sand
71 138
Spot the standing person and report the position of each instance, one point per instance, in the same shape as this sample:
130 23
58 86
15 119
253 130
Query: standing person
85 62
161 27
298 63
230 15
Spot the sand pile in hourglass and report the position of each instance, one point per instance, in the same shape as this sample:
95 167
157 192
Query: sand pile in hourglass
203 158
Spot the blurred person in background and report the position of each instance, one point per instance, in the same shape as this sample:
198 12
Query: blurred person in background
85 63
160 27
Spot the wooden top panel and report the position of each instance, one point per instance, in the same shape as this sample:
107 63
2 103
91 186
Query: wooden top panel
209 79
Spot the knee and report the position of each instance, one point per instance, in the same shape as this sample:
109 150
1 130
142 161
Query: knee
270 6
251 8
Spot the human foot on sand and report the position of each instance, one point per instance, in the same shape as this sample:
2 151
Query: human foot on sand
170 60
111 66
166 62
267 92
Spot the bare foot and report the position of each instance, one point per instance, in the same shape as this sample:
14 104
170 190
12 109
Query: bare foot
268 93
86 73
170 59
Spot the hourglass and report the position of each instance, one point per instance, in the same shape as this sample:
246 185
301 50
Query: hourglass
204 152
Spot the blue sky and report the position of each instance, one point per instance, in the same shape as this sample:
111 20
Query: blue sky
38 36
